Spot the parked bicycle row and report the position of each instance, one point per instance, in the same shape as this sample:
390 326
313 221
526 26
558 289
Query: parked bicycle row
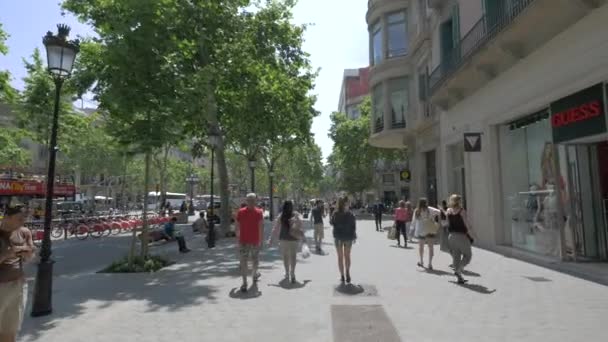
94 226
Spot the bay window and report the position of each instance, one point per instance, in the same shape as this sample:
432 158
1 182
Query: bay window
397 34
398 89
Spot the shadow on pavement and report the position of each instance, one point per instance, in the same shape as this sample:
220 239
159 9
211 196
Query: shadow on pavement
287 285
438 272
78 289
475 287
470 273
252 293
401 247
350 289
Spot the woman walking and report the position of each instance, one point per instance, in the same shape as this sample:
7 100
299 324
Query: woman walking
426 222
459 239
345 233
288 229
402 217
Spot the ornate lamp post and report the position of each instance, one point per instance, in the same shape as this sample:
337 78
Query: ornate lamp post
214 140
252 164
192 181
61 54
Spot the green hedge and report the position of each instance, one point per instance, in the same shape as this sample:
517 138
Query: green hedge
151 263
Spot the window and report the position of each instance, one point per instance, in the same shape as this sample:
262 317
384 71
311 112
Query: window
377 43
354 112
397 34
388 178
378 107
422 84
399 101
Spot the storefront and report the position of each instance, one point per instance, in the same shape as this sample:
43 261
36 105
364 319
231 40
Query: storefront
554 169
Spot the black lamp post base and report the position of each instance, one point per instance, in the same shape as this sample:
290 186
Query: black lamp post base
42 304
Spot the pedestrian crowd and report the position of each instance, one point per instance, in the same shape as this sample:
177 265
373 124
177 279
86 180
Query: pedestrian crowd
425 223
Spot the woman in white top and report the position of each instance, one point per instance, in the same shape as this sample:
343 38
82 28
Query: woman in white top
426 225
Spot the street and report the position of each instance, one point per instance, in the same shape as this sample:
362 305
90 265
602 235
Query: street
197 298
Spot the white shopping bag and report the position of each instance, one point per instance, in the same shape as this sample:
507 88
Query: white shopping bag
305 251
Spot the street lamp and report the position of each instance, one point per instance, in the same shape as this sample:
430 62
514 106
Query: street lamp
252 164
61 54
214 141
271 181
192 180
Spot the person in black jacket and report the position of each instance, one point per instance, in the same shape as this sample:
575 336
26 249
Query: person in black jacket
345 233
378 211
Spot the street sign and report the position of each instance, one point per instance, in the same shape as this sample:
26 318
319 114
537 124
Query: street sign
472 142
405 175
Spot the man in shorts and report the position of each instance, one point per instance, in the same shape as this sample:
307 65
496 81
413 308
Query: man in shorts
16 247
249 231
317 217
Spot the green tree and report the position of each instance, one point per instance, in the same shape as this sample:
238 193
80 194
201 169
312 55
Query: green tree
12 155
7 92
353 158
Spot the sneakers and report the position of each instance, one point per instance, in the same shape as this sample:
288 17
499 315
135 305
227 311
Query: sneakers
461 280
342 279
430 267
256 277
293 279
420 265
348 278
244 288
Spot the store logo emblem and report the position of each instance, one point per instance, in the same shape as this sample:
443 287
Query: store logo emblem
472 142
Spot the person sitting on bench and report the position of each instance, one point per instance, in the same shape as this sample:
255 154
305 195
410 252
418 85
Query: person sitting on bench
168 234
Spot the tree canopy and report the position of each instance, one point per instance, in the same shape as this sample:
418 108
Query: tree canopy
353 158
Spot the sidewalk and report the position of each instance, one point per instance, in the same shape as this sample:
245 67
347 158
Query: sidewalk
197 299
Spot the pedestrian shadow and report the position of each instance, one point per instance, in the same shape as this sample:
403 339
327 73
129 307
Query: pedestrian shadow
287 285
401 247
437 272
470 273
475 287
252 293
350 289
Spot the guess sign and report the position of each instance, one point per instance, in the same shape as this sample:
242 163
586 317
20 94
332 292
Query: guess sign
579 115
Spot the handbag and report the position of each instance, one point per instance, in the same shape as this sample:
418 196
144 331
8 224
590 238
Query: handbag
305 251
429 227
392 233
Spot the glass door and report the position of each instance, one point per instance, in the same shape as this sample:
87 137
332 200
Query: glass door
588 214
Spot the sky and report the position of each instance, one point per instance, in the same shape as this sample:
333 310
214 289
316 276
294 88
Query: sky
336 40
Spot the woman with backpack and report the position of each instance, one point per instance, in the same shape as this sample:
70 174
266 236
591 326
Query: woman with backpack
345 234
460 239
426 226
288 229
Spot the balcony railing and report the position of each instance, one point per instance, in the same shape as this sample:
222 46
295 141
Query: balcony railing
378 125
482 32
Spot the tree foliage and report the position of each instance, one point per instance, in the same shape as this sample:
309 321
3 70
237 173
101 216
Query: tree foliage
353 158
7 92
11 153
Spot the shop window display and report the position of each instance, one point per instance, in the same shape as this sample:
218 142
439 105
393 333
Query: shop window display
529 186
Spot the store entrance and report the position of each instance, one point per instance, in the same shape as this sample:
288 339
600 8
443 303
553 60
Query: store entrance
587 228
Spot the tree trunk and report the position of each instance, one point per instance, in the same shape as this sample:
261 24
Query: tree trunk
220 158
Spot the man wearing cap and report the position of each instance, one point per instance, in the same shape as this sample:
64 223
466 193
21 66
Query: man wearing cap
16 247
249 231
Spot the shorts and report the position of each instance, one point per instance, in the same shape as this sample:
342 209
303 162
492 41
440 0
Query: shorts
319 230
249 249
427 236
13 297
343 243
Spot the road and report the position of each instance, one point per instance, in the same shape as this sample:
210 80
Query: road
196 299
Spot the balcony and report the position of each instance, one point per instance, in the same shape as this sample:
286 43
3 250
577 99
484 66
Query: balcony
493 45
389 136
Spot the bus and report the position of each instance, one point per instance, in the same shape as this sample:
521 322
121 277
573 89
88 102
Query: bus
174 198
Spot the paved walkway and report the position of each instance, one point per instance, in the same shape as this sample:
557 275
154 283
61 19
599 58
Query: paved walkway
196 299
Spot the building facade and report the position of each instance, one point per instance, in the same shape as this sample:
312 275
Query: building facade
400 57
387 184
525 81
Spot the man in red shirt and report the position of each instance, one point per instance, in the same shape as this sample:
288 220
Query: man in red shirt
249 231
